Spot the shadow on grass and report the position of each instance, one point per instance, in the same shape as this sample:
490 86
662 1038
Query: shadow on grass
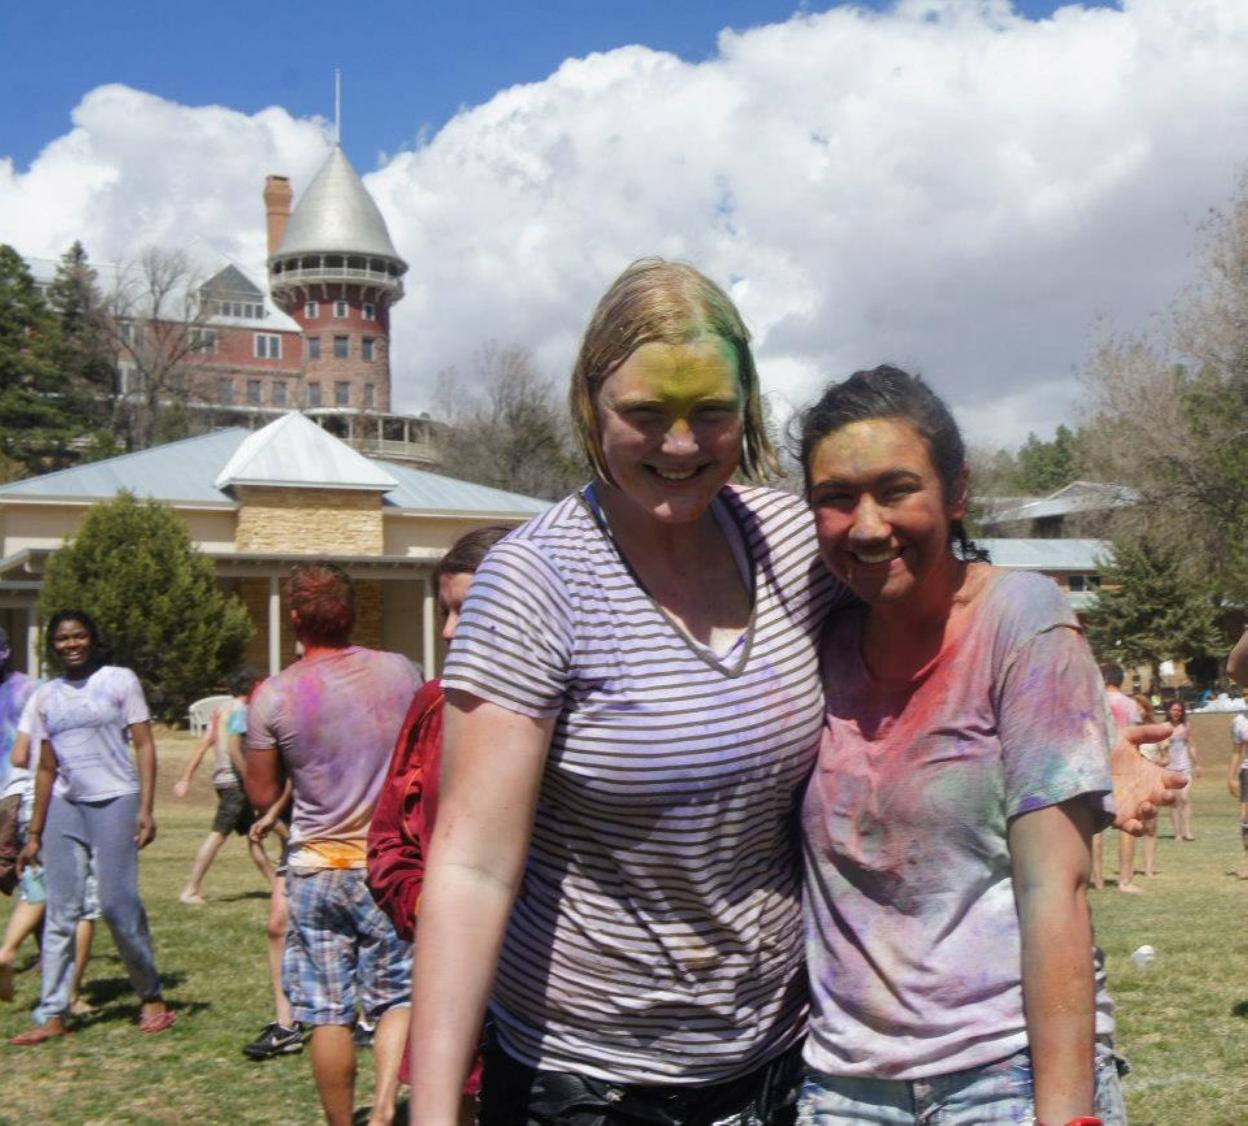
1239 1009
257 894
100 993
362 1114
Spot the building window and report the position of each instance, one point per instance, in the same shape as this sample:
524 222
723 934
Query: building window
311 310
128 382
370 311
279 393
268 346
340 310
314 347
341 347
225 390
366 348
131 333
253 391
314 394
342 394
204 341
369 397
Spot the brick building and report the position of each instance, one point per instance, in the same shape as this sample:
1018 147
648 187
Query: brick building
317 341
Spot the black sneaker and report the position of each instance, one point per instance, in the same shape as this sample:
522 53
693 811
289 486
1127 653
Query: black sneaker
275 1040
363 1034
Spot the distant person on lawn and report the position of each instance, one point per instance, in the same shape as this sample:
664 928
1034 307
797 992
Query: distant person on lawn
329 723
93 798
226 728
1125 713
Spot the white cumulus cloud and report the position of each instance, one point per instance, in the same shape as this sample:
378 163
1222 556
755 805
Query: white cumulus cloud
945 185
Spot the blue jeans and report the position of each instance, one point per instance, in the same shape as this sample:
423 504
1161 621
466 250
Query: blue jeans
998 1092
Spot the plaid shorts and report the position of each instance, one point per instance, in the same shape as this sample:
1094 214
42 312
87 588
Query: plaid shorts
341 948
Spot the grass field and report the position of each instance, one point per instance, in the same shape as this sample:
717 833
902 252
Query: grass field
1183 1020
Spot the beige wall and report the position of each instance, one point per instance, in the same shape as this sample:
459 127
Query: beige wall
49 525
420 536
315 521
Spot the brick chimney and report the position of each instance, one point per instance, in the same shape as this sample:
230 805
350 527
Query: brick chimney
277 200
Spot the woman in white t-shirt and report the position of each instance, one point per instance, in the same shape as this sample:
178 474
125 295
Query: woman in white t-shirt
92 799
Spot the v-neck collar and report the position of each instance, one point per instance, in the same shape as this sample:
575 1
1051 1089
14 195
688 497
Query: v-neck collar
735 660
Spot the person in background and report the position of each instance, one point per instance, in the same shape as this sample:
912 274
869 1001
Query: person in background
328 723
1160 754
1183 760
1237 780
226 728
283 1035
398 842
16 798
28 912
92 799
1125 713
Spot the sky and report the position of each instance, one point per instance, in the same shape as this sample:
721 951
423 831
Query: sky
974 189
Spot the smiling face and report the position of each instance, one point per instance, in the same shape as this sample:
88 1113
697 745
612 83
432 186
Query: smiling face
1176 713
452 590
71 642
671 420
881 514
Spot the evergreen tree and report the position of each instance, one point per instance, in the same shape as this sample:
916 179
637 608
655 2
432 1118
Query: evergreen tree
1044 467
1150 609
37 420
133 567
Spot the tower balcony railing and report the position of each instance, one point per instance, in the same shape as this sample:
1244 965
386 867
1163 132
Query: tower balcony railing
299 275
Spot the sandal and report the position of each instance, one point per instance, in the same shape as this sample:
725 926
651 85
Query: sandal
39 1034
157 1022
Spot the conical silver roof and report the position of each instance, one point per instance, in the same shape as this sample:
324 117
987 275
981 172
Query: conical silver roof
336 214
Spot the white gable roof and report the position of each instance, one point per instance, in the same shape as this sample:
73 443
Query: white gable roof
294 452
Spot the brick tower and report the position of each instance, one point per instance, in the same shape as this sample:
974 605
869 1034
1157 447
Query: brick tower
333 268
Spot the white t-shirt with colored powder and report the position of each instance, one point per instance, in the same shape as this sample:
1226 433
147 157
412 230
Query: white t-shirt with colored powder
657 935
912 929
87 723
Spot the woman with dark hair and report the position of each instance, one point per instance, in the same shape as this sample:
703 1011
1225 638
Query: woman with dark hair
948 822
92 799
1183 760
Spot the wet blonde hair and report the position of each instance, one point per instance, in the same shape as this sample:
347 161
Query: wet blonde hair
656 301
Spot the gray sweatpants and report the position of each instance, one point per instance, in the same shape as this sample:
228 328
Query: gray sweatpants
73 833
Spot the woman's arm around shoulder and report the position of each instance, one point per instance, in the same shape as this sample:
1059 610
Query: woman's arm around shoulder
493 760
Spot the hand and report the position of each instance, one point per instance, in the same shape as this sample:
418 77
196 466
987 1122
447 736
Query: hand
1140 786
30 853
260 829
1232 784
144 829
180 788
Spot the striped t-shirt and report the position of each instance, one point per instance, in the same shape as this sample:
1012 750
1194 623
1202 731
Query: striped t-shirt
657 935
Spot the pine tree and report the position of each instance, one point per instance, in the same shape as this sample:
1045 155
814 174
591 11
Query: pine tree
132 567
1151 610
37 421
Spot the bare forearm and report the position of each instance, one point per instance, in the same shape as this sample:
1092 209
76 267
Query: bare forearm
45 775
463 917
1060 1002
145 760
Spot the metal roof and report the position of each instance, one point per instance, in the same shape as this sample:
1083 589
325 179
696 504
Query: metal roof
292 451
183 473
1047 555
1078 496
337 214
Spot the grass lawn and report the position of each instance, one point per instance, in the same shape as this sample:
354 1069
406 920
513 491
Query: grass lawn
1183 1020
